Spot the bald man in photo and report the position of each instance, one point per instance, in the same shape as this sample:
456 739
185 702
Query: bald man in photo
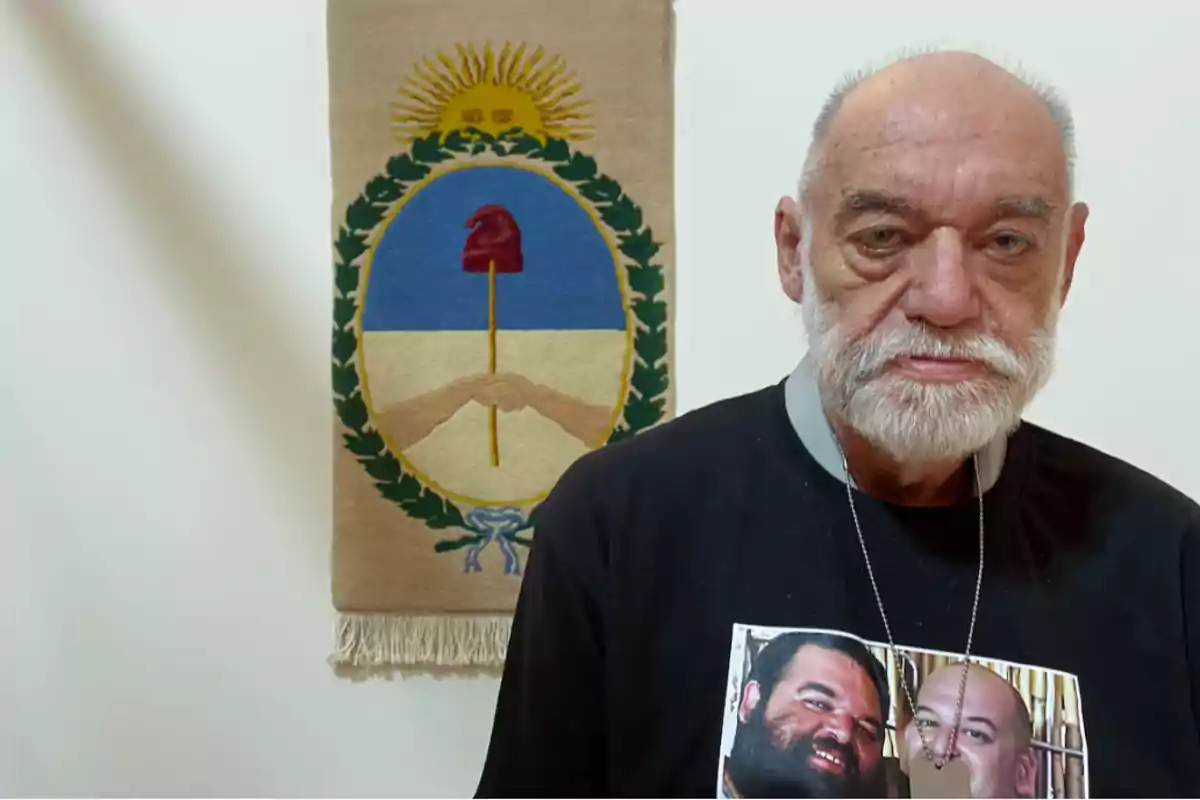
995 735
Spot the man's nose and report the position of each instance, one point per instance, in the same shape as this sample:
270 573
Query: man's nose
839 726
939 740
942 291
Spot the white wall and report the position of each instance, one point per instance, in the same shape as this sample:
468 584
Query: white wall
164 564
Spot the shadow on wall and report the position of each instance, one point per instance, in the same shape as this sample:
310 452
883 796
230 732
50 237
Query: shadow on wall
210 266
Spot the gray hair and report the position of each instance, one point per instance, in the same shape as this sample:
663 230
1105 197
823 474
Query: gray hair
1049 96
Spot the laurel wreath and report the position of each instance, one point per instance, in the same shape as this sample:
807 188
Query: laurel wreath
644 403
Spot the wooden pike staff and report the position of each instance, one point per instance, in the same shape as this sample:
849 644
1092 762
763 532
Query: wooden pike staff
493 246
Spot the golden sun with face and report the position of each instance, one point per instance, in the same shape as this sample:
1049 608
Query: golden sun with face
492 93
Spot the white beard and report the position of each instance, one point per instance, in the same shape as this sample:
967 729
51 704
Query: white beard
915 421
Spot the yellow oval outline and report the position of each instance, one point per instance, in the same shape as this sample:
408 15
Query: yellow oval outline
364 282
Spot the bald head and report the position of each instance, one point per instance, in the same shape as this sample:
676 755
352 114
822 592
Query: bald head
988 694
934 96
995 732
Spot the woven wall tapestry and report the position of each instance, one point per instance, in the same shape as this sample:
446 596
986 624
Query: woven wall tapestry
503 284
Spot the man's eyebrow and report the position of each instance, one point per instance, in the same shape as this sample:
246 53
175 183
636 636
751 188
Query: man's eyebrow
819 688
863 201
927 709
1029 207
984 721
866 201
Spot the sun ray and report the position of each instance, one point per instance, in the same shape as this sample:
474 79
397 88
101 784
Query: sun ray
444 78
464 67
538 76
489 64
569 111
577 134
560 83
418 100
452 69
514 64
432 92
539 90
528 67
502 64
446 88
559 94
478 62
419 117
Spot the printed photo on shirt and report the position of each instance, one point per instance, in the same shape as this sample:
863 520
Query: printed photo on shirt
821 713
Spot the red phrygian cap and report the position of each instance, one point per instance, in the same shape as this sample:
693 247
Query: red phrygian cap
495 237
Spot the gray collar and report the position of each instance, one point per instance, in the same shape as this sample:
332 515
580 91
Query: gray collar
803 400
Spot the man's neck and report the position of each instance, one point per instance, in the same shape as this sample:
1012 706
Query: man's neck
874 472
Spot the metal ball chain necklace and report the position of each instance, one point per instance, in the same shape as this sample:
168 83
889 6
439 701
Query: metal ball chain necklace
938 762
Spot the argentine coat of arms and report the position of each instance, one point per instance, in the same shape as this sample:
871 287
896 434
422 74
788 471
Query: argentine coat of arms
498 309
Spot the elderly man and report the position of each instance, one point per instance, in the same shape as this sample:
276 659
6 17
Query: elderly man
887 488
995 734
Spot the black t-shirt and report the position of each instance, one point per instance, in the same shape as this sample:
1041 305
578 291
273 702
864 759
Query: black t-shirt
650 554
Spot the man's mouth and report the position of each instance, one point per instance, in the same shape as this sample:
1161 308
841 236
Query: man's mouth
827 761
937 368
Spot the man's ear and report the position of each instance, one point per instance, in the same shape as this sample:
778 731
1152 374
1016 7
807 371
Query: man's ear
1026 778
788 232
1076 223
751 695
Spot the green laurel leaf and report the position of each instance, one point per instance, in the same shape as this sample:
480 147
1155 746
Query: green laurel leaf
346 278
521 540
350 245
383 467
640 246
641 413
619 434
352 411
623 215
579 168
646 281
382 189
434 510
366 445
343 312
428 150
407 488
649 381
404 169
344 345
455 142
602 190
652 313
446 545
345 380
452 518
525 145
362 215
555 150
651 345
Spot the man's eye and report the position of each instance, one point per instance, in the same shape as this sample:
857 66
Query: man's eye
1009 244
880 239
872 733
927 723
817 705
978 735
